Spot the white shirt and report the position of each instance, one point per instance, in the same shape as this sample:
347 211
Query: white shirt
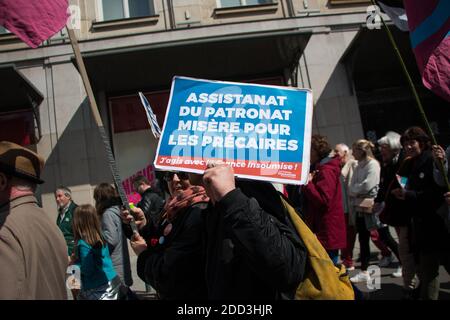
62 213
365 179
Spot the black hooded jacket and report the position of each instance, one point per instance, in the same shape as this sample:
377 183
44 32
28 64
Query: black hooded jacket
423 198
395 213
252 250
175 267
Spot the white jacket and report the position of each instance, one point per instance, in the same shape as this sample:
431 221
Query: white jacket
365 179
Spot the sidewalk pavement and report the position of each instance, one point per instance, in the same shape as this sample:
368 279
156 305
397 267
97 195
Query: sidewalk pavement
138 286
390 287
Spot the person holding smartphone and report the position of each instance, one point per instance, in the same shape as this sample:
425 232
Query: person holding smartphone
170 257
422 197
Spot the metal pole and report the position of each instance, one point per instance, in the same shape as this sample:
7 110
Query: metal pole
416 96
98 120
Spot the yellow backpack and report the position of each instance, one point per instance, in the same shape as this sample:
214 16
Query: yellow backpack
323 280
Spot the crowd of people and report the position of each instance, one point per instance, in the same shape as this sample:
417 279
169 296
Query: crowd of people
212 236
352 192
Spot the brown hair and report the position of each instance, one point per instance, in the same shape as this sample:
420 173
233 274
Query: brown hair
320 145
416 133
365 146
139 180
105 196
86 225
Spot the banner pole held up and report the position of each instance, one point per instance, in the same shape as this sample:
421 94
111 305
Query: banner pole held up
415 94
99 122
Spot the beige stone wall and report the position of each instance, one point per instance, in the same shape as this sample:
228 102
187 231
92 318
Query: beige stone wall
70 142
336 111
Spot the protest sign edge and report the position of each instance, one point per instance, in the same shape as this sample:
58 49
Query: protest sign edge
307 138
249 177
307 133
243 84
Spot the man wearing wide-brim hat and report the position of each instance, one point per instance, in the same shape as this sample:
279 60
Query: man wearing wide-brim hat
33 253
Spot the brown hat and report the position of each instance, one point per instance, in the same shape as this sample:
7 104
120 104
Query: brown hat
20 162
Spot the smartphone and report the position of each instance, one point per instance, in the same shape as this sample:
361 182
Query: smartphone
402 180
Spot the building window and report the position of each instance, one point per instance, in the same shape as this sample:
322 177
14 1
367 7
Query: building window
128 114
18 127
124 9
348 1
239 3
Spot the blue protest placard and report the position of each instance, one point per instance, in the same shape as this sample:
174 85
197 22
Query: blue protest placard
262 131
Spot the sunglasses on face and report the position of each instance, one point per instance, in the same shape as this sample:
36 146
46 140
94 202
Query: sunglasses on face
181 175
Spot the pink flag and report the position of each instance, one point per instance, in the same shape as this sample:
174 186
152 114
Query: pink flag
33 21
429 25
436 75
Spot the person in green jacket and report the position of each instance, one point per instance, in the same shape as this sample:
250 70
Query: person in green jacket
66 206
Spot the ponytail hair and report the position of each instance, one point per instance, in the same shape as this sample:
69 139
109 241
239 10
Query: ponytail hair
366 147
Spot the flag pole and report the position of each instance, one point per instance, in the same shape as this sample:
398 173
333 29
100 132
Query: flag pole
416 95
99 122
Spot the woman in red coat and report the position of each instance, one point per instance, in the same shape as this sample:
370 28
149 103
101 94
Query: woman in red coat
322 197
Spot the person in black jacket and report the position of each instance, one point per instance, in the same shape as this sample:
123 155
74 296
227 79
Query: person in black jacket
170 259
391 159
251 249
422 197
151 203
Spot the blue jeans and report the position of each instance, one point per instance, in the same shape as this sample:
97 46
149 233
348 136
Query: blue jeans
334 256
